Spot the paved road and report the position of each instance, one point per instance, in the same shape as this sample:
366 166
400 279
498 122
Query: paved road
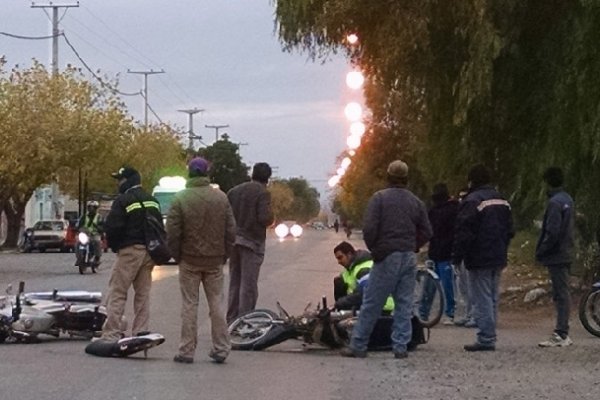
295 272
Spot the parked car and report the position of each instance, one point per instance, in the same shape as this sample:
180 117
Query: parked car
51 234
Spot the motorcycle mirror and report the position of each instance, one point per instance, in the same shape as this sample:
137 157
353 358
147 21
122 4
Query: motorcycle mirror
21 287
307 306
324 301
54 294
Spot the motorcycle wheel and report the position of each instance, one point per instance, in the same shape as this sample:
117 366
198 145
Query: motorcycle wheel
589 311
429 299
249 328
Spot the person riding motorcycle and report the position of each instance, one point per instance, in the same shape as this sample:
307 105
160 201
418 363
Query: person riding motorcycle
348 286
92 223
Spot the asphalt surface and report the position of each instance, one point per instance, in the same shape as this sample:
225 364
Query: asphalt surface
294 273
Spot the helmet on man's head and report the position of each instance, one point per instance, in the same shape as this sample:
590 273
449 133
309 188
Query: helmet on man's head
93 204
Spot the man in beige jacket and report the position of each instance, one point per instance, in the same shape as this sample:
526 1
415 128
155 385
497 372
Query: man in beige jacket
200 235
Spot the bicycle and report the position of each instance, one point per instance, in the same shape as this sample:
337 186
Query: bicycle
429 296
589 310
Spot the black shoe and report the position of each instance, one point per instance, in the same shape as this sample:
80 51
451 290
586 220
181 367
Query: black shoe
219 359
479 347
400 354
183 359
348 352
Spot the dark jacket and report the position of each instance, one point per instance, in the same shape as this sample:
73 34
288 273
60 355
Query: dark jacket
483 229
442 217
251 204
556 245
124 224
200 224
395 220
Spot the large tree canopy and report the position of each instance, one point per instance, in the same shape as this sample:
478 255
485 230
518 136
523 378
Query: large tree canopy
512 84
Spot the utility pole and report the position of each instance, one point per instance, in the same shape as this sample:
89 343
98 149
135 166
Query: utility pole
216 128
55 31
191 135
146 73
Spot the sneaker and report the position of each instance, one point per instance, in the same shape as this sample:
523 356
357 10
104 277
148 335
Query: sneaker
400 354
183 359
556 341
217 358
349 352
479 347
461 322
447 320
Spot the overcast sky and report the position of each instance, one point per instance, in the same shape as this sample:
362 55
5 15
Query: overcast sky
219 55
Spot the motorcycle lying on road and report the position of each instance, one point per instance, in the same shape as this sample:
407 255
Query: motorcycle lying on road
25 316
84 252
263 328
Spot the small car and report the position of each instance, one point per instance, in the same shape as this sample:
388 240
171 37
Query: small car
51 234
288 228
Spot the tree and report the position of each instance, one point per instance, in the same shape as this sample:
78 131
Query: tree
305 202
282 199
227 168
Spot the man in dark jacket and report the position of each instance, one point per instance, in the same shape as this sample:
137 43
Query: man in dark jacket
251 204
555 249
395 225
125 235
442 216
349 286
200 234
483 232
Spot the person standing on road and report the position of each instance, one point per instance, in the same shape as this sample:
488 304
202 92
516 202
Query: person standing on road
555 250
483 232
442 216
200 236
463 289
126 237
395 225
251 204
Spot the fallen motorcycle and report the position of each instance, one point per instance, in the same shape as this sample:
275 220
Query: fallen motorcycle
263 328
126 346
26 316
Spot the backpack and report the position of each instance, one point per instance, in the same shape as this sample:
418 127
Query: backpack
420 334
155 237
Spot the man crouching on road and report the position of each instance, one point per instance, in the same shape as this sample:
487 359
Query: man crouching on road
200 235
395 225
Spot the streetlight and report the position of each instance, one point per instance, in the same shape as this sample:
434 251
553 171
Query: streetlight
353 111
355 79
357 128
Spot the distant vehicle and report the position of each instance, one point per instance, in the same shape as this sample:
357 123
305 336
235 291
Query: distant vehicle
51 234
166 189
288 228
318 225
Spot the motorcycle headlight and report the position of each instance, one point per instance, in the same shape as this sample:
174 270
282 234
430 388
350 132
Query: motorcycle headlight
296 230
83 238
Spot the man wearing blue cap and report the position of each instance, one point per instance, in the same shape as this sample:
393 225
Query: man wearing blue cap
200 235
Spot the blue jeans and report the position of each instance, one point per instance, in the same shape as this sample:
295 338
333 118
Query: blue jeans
394 275
559 276
444 270
485 292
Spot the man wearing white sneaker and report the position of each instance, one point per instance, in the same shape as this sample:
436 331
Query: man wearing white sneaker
555 249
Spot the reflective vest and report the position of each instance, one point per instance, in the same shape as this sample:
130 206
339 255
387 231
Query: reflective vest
349 277
92 224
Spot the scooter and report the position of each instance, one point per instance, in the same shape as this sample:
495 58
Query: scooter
84 253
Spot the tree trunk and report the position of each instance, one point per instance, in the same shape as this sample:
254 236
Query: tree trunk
14 214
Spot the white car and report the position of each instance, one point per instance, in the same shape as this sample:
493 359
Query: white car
51 234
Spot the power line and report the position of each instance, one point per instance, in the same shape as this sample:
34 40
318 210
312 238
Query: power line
12 35
87 67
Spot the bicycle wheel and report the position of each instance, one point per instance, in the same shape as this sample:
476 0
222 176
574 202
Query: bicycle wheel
589 311
429 298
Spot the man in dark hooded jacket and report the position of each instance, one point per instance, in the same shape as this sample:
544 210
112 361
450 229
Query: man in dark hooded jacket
125 235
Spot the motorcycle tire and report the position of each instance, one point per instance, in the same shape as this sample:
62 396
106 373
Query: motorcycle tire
589 311
249 328
428 289
278 334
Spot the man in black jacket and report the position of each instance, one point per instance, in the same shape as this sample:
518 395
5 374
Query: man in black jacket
125 235
555 249
482 234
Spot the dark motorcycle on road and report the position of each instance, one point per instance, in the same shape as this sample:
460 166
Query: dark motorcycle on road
84 252
263 328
